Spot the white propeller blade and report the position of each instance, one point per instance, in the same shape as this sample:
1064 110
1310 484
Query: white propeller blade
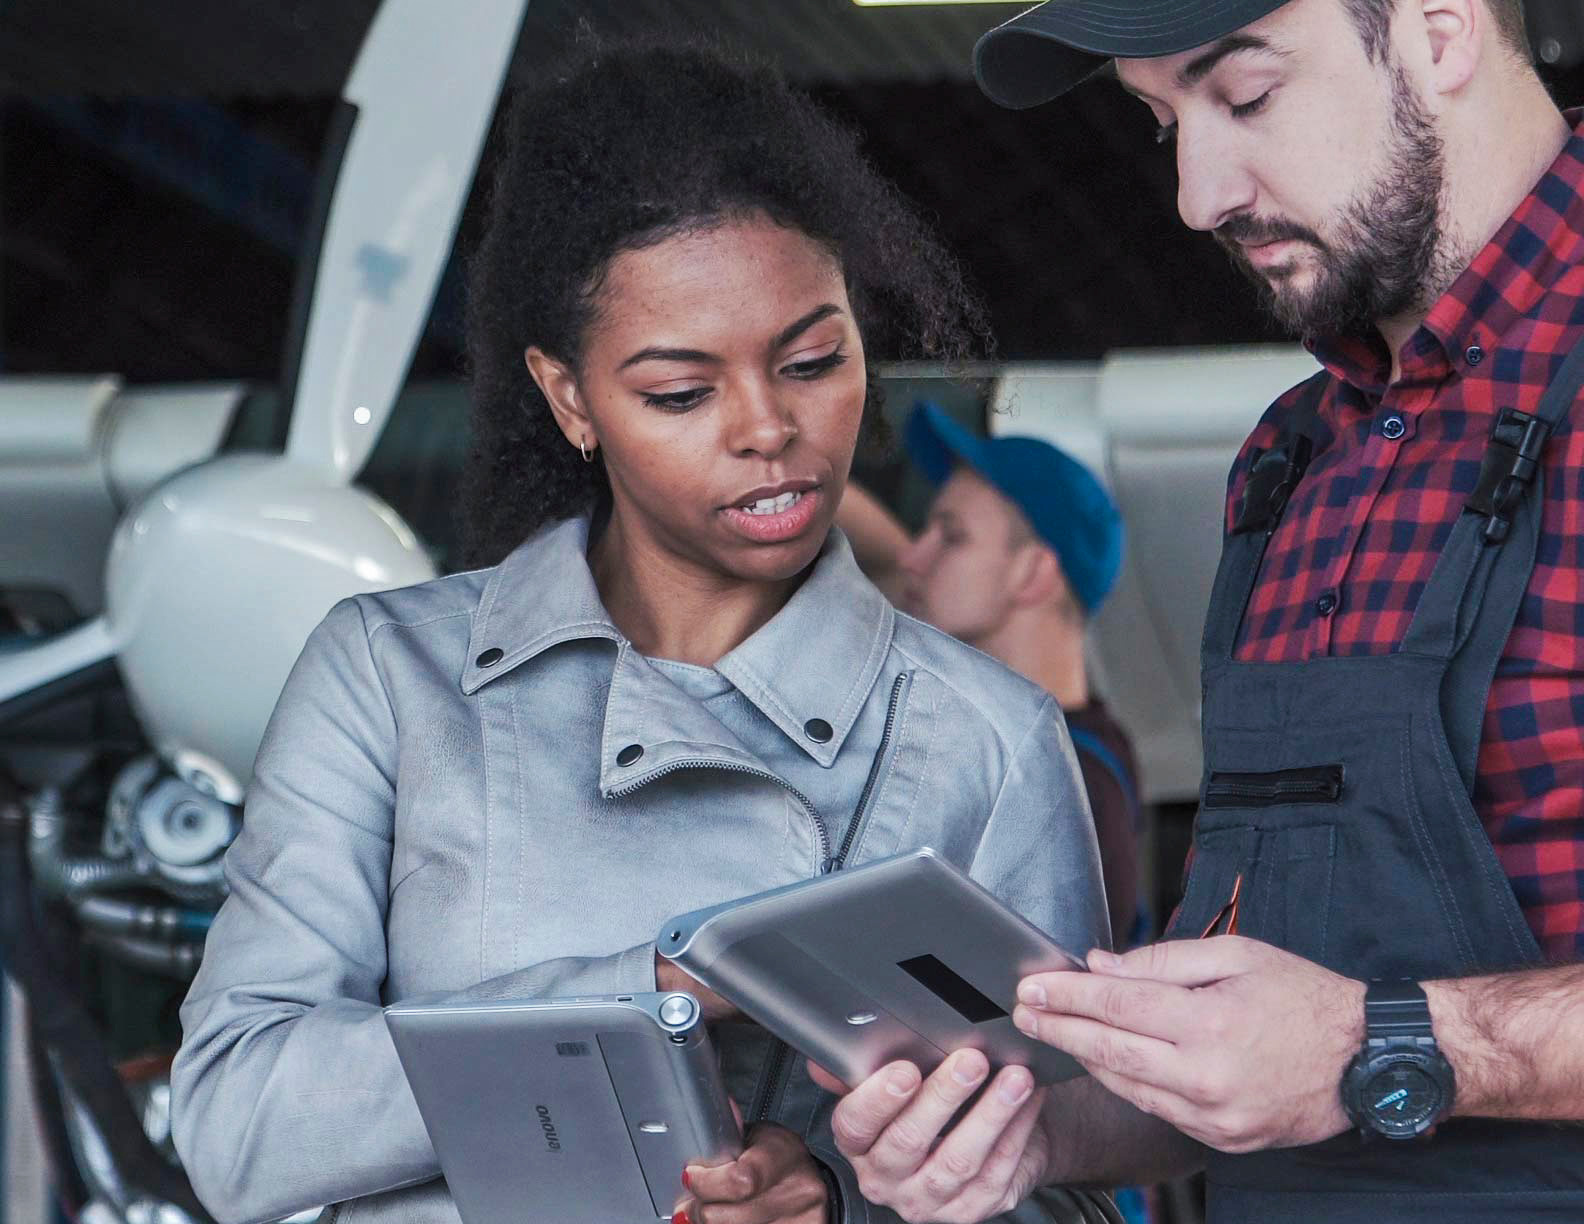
65 654
425 84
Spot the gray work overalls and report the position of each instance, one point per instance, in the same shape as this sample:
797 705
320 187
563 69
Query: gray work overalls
1335 821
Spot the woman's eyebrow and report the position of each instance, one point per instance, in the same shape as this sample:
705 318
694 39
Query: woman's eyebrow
666 354
785 336
790 333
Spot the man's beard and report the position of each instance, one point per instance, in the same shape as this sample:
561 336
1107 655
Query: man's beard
1386 257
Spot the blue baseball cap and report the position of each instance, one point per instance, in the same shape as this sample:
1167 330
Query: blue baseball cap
1067 507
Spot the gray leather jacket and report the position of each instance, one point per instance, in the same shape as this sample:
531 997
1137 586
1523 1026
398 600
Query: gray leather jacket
439 809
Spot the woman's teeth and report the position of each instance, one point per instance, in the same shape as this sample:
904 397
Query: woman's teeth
772 505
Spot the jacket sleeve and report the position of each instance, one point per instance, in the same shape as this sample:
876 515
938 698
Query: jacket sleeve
287 1092
1039 853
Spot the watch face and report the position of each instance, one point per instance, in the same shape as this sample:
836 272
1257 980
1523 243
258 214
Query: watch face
1401 1099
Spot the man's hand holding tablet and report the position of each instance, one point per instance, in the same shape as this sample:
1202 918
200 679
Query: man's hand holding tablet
890 1127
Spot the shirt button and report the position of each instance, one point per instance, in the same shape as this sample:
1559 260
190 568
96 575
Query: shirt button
818 730
1393 428
629 754
1474 354
1326 604
491 657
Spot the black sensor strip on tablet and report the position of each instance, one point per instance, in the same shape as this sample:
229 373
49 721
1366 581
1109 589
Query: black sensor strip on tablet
951 989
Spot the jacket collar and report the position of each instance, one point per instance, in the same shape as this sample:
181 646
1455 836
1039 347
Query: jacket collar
814 661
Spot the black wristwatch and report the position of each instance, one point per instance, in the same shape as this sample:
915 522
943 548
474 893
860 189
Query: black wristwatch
1400 1084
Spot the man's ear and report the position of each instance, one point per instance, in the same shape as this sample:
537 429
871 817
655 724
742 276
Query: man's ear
1455 31
560 387
1036 577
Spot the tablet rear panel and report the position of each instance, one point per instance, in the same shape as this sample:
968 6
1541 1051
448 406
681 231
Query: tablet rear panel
566 1111
903 958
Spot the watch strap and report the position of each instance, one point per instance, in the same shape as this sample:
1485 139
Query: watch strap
1396 1008
1397 1029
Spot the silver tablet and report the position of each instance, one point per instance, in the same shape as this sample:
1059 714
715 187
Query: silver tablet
902 958
581 1111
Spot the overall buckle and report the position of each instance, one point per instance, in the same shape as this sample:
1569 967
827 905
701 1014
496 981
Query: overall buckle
1507 469
1273 475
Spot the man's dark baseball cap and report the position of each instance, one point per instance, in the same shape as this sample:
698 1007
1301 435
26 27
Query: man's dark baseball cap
1041 54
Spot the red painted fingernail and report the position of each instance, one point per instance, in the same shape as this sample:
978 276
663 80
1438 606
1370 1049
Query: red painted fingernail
687 1182
680 1217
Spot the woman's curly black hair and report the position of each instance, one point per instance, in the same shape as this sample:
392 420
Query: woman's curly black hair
630 145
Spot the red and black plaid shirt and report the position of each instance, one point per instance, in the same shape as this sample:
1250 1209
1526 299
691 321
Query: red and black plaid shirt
1346 567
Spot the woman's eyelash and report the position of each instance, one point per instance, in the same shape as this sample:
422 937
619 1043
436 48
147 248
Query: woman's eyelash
817 366
676 401
681 401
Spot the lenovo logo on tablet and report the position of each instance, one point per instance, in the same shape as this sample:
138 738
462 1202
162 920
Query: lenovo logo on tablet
951 989
552 1140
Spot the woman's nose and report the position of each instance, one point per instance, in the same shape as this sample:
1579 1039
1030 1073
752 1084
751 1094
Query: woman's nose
760 424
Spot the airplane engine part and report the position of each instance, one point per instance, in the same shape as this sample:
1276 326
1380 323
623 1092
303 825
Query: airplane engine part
213 585
170 829
160 832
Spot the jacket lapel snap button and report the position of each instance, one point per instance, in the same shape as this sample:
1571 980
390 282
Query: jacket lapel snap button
629 754
491 657
818 730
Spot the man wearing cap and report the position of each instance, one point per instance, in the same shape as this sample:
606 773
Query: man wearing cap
1021 546
1370 1004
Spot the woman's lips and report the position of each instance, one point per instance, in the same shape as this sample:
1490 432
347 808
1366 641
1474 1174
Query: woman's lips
778 525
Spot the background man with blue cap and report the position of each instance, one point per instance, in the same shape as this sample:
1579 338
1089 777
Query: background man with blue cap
1021 546
1370 1004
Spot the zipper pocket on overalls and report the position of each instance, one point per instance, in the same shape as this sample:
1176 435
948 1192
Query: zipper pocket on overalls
1315 784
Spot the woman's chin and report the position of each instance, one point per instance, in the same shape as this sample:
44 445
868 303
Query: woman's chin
786 563
778 562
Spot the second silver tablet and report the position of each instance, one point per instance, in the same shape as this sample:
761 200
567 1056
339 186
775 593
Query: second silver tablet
903 958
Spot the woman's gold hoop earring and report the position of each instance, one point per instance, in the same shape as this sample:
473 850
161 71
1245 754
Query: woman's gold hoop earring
588 455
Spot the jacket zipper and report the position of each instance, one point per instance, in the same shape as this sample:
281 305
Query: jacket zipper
855 826
1320 784
820 829
773 1083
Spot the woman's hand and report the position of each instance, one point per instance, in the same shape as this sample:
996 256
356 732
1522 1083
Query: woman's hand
669 977
774 1181
890 1127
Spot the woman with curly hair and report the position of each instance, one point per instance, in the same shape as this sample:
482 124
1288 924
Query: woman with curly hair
672 686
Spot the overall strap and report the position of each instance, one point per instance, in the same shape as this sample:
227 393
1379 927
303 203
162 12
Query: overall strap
1272 476
1085 740
1471 601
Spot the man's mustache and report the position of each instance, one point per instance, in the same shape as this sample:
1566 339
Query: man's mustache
1248 230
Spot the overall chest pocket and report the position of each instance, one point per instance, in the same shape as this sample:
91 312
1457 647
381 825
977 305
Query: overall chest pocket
1263 860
